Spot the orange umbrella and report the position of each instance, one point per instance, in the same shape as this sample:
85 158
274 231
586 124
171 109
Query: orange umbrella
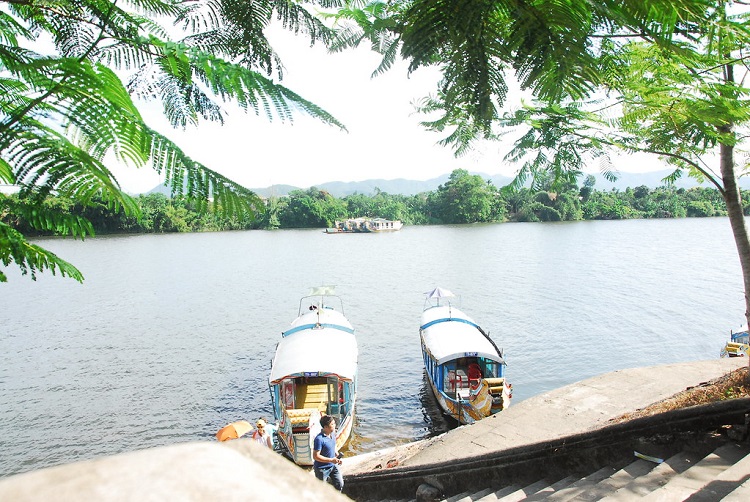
234 430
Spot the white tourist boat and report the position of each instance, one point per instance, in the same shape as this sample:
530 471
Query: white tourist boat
314 373
465 368
364 225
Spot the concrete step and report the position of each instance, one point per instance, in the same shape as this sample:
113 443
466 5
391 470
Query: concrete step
619 479
655 478
578 487
549 490
524 492
739 494
723 474
682 486
474 496
459 497
499 494
725 483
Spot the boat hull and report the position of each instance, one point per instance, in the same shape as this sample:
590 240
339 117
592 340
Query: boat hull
475 407
299 445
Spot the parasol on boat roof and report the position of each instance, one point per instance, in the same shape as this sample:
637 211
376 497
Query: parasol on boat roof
323 291
440 293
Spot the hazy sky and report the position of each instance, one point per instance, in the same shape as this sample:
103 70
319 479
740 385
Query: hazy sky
384 139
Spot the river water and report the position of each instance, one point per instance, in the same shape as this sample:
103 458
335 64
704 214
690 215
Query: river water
171 336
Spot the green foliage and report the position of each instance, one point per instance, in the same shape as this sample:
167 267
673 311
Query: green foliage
314 208
65 114
30 258
464 198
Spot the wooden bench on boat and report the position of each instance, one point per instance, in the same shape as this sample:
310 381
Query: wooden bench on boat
300 418
496 385
312 396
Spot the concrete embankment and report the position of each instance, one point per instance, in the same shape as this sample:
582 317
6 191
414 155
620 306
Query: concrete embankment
573 409
237 470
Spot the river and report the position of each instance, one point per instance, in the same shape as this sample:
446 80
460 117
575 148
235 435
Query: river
171 336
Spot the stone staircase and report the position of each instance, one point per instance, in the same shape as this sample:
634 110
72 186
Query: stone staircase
700 453
719 475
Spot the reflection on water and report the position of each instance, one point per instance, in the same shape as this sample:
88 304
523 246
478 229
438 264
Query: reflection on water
437 422
171 336
434 424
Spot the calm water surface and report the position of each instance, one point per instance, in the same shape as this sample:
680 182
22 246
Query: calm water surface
171 336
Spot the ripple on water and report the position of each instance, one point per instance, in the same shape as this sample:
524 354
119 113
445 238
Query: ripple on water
171 336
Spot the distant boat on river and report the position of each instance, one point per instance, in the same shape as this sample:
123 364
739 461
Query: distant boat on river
465 368
364 225
738 344
314 373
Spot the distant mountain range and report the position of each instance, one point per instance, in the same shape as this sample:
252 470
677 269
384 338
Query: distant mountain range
413 187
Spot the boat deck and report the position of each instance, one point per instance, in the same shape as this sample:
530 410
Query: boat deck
312 396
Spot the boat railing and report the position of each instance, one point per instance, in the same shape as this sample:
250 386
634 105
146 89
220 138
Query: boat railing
317 326
324 301
496 384
430 303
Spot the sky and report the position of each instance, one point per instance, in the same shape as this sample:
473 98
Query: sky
384 139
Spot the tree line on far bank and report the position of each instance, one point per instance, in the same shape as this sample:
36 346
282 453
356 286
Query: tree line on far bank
464 198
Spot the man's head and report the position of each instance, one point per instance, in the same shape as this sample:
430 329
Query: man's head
328 423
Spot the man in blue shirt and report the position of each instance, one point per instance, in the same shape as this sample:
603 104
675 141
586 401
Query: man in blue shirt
325 457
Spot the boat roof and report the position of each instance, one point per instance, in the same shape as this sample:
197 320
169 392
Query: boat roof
318 341
449 334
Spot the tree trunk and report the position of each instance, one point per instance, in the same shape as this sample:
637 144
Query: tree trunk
733 201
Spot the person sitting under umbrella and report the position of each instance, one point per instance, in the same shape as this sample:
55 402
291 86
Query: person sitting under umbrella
261 435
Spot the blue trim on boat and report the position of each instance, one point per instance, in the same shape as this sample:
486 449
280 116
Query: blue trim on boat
446 319
317 326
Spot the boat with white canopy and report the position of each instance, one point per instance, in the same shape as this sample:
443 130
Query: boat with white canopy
465 368
314 373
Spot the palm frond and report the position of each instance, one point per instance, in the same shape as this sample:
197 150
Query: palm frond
64 113
6 173
194 181
42 218
30 258
45 162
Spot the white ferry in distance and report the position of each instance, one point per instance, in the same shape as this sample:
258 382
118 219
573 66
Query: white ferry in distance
364 225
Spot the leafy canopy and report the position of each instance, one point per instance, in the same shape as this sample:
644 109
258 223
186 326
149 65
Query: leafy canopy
69 73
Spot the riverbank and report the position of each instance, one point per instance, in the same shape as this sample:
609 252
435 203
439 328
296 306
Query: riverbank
240 470
576 408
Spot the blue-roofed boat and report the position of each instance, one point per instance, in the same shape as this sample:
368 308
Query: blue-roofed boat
464 367
738 344
314 373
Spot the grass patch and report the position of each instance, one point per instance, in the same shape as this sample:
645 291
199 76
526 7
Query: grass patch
733 385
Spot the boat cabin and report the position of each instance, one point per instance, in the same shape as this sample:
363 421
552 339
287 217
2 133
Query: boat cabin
457 375
300 395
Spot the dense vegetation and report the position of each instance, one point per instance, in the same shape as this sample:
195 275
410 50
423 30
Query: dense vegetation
465 198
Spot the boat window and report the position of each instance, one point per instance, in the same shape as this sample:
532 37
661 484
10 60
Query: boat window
334 395
345 398
489 368
449 379
455 377
288 393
